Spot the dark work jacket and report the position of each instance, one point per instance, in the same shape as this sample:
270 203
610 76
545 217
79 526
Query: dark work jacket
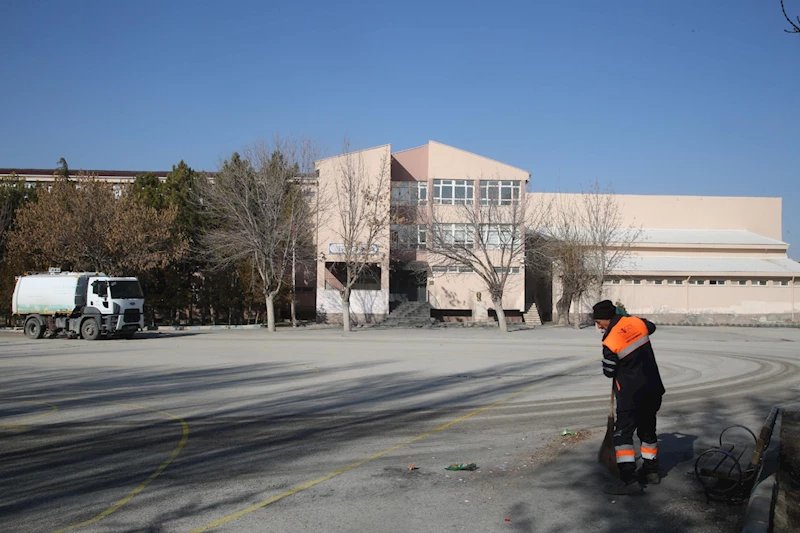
628 358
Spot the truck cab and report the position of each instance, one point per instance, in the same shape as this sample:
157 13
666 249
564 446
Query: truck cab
120 303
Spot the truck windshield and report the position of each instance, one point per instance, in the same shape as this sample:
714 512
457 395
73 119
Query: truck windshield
125 289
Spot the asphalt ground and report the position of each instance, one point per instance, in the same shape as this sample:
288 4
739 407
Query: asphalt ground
313 430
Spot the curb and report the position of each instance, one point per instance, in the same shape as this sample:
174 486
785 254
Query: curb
728 325
758 515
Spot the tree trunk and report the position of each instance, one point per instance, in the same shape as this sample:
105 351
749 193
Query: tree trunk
501 315
562 308
577 300
294 280
271 311
346 309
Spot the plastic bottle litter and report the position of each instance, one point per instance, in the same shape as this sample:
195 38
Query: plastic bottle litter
462 466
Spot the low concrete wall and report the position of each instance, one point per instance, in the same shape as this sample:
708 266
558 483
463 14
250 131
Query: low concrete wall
704 319
787 504
355 318
720 319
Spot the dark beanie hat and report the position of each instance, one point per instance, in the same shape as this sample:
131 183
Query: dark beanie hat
604 310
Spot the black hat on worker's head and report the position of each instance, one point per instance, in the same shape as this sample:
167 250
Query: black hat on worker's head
604 310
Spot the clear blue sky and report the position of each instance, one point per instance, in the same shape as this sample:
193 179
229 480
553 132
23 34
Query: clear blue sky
670 97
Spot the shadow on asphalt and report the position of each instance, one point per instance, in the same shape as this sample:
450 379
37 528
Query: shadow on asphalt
677 505
674 449
66 463
92 446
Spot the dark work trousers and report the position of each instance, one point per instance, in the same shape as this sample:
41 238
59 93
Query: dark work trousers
641 418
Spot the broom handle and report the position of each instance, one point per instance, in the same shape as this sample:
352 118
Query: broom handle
611 410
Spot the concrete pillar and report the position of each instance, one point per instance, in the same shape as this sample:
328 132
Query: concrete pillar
480 309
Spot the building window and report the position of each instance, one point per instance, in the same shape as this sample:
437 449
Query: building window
454 235
636 281
499 236
413 237
758 282
716 282
453 192
739 282
674 282
368 280
655 281
781 283
503 270
612 281
442 270
409 193
499 192
697 282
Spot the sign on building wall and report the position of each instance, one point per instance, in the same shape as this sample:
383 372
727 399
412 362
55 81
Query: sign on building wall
337 248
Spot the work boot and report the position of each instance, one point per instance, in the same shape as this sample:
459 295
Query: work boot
653 478
621 488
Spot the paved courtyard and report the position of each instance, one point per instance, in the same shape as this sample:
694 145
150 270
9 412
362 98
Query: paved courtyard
313 430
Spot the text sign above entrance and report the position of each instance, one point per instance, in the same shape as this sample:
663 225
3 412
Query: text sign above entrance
337 248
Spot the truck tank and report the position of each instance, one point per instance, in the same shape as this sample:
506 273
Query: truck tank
49 294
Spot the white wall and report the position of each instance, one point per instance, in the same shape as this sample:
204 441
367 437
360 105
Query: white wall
361 302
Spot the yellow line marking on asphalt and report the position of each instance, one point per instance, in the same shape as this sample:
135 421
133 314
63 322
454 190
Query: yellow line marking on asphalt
154 475
23 424
378 455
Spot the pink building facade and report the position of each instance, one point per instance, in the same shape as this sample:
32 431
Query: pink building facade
697 259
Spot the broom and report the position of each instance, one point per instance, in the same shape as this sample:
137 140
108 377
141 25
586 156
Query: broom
607 456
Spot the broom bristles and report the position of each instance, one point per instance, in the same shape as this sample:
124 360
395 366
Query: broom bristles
607 456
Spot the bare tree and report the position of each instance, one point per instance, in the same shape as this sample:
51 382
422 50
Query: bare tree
252 207
610 239
360 218
587 240
487 237
565 241
795 25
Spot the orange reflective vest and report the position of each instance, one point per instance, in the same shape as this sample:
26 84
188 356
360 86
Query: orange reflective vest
628 358
627 335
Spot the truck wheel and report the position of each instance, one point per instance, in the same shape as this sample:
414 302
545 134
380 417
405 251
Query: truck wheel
90 330
33 329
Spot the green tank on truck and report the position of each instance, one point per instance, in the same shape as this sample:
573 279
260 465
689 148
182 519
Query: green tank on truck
85 304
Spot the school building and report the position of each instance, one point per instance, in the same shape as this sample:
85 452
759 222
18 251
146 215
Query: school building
697 259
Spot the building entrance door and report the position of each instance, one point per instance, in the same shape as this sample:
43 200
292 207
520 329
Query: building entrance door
409 286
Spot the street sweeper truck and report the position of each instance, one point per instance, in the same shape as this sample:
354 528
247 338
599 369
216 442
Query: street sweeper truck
79 304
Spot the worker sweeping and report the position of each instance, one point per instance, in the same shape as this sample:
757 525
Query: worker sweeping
629 360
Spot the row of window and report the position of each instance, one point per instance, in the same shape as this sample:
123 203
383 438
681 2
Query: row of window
456 192
493 236
469 270
714 282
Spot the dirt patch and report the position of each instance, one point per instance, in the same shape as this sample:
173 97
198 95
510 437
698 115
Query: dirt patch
556 447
